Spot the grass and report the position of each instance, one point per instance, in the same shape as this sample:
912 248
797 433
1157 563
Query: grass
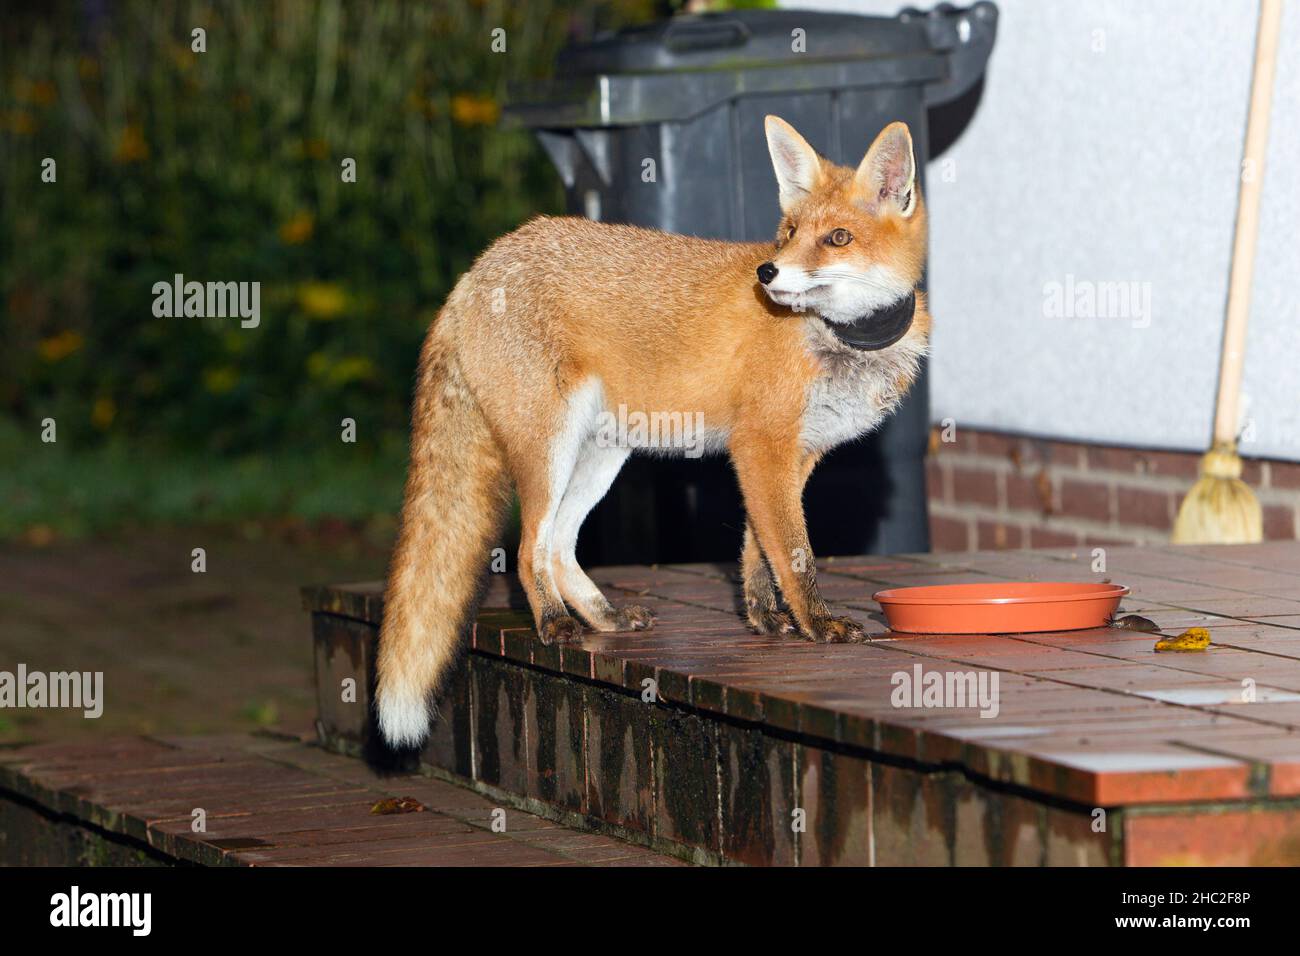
62 490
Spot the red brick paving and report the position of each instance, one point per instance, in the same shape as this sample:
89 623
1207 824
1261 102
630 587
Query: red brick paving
282 802
1095 717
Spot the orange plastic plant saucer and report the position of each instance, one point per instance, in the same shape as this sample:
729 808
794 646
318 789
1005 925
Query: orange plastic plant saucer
1007 607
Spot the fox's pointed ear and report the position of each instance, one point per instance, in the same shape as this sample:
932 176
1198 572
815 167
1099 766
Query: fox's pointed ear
798 167
887 176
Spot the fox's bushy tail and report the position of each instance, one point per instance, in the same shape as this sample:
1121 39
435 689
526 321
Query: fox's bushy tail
456 495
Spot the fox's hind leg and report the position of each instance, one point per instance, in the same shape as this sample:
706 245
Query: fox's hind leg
544 481
596 468
541 481
538 504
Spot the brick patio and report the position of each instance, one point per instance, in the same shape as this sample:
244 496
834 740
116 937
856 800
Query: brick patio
748 731
267 801
754 750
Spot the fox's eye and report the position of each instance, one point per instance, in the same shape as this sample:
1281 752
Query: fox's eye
789 233
840 237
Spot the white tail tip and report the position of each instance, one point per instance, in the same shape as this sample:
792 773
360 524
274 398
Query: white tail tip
403 718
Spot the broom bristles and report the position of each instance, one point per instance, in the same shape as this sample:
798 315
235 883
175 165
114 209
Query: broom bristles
1220 508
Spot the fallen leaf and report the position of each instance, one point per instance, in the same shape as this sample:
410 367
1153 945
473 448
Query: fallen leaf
1192 639
1135 622
398 805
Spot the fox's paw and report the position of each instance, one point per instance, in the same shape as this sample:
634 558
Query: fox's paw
771 620
561 629
634 617
836 630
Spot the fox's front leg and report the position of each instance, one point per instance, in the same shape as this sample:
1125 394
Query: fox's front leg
762 609
772 475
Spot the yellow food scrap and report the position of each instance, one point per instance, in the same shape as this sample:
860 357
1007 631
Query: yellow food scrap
1192 639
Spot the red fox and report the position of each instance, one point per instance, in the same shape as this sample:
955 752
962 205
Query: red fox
780 353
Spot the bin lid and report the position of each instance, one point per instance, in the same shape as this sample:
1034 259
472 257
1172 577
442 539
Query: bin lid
679 68
742 38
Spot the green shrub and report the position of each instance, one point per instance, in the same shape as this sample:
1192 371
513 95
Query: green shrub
225 166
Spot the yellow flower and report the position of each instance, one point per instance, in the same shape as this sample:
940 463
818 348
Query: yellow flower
39 535
40 92
315 148
351 370
131 147
470 110
419 103
318 364
218 381
60 346
322 300
298 229
342 371
181 55
19 122
103 412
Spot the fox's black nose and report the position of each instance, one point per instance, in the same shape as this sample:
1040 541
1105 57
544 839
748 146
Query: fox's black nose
766 272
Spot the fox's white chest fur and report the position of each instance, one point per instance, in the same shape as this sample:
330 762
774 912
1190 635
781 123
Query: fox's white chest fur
856 389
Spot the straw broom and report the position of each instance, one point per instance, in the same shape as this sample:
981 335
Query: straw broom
1220 508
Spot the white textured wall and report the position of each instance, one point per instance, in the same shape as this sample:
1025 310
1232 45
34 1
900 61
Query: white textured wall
1107 148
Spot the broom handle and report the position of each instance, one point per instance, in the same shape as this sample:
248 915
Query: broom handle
1247 229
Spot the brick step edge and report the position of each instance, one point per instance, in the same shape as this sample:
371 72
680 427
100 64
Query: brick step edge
268 800
699 786
569 819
